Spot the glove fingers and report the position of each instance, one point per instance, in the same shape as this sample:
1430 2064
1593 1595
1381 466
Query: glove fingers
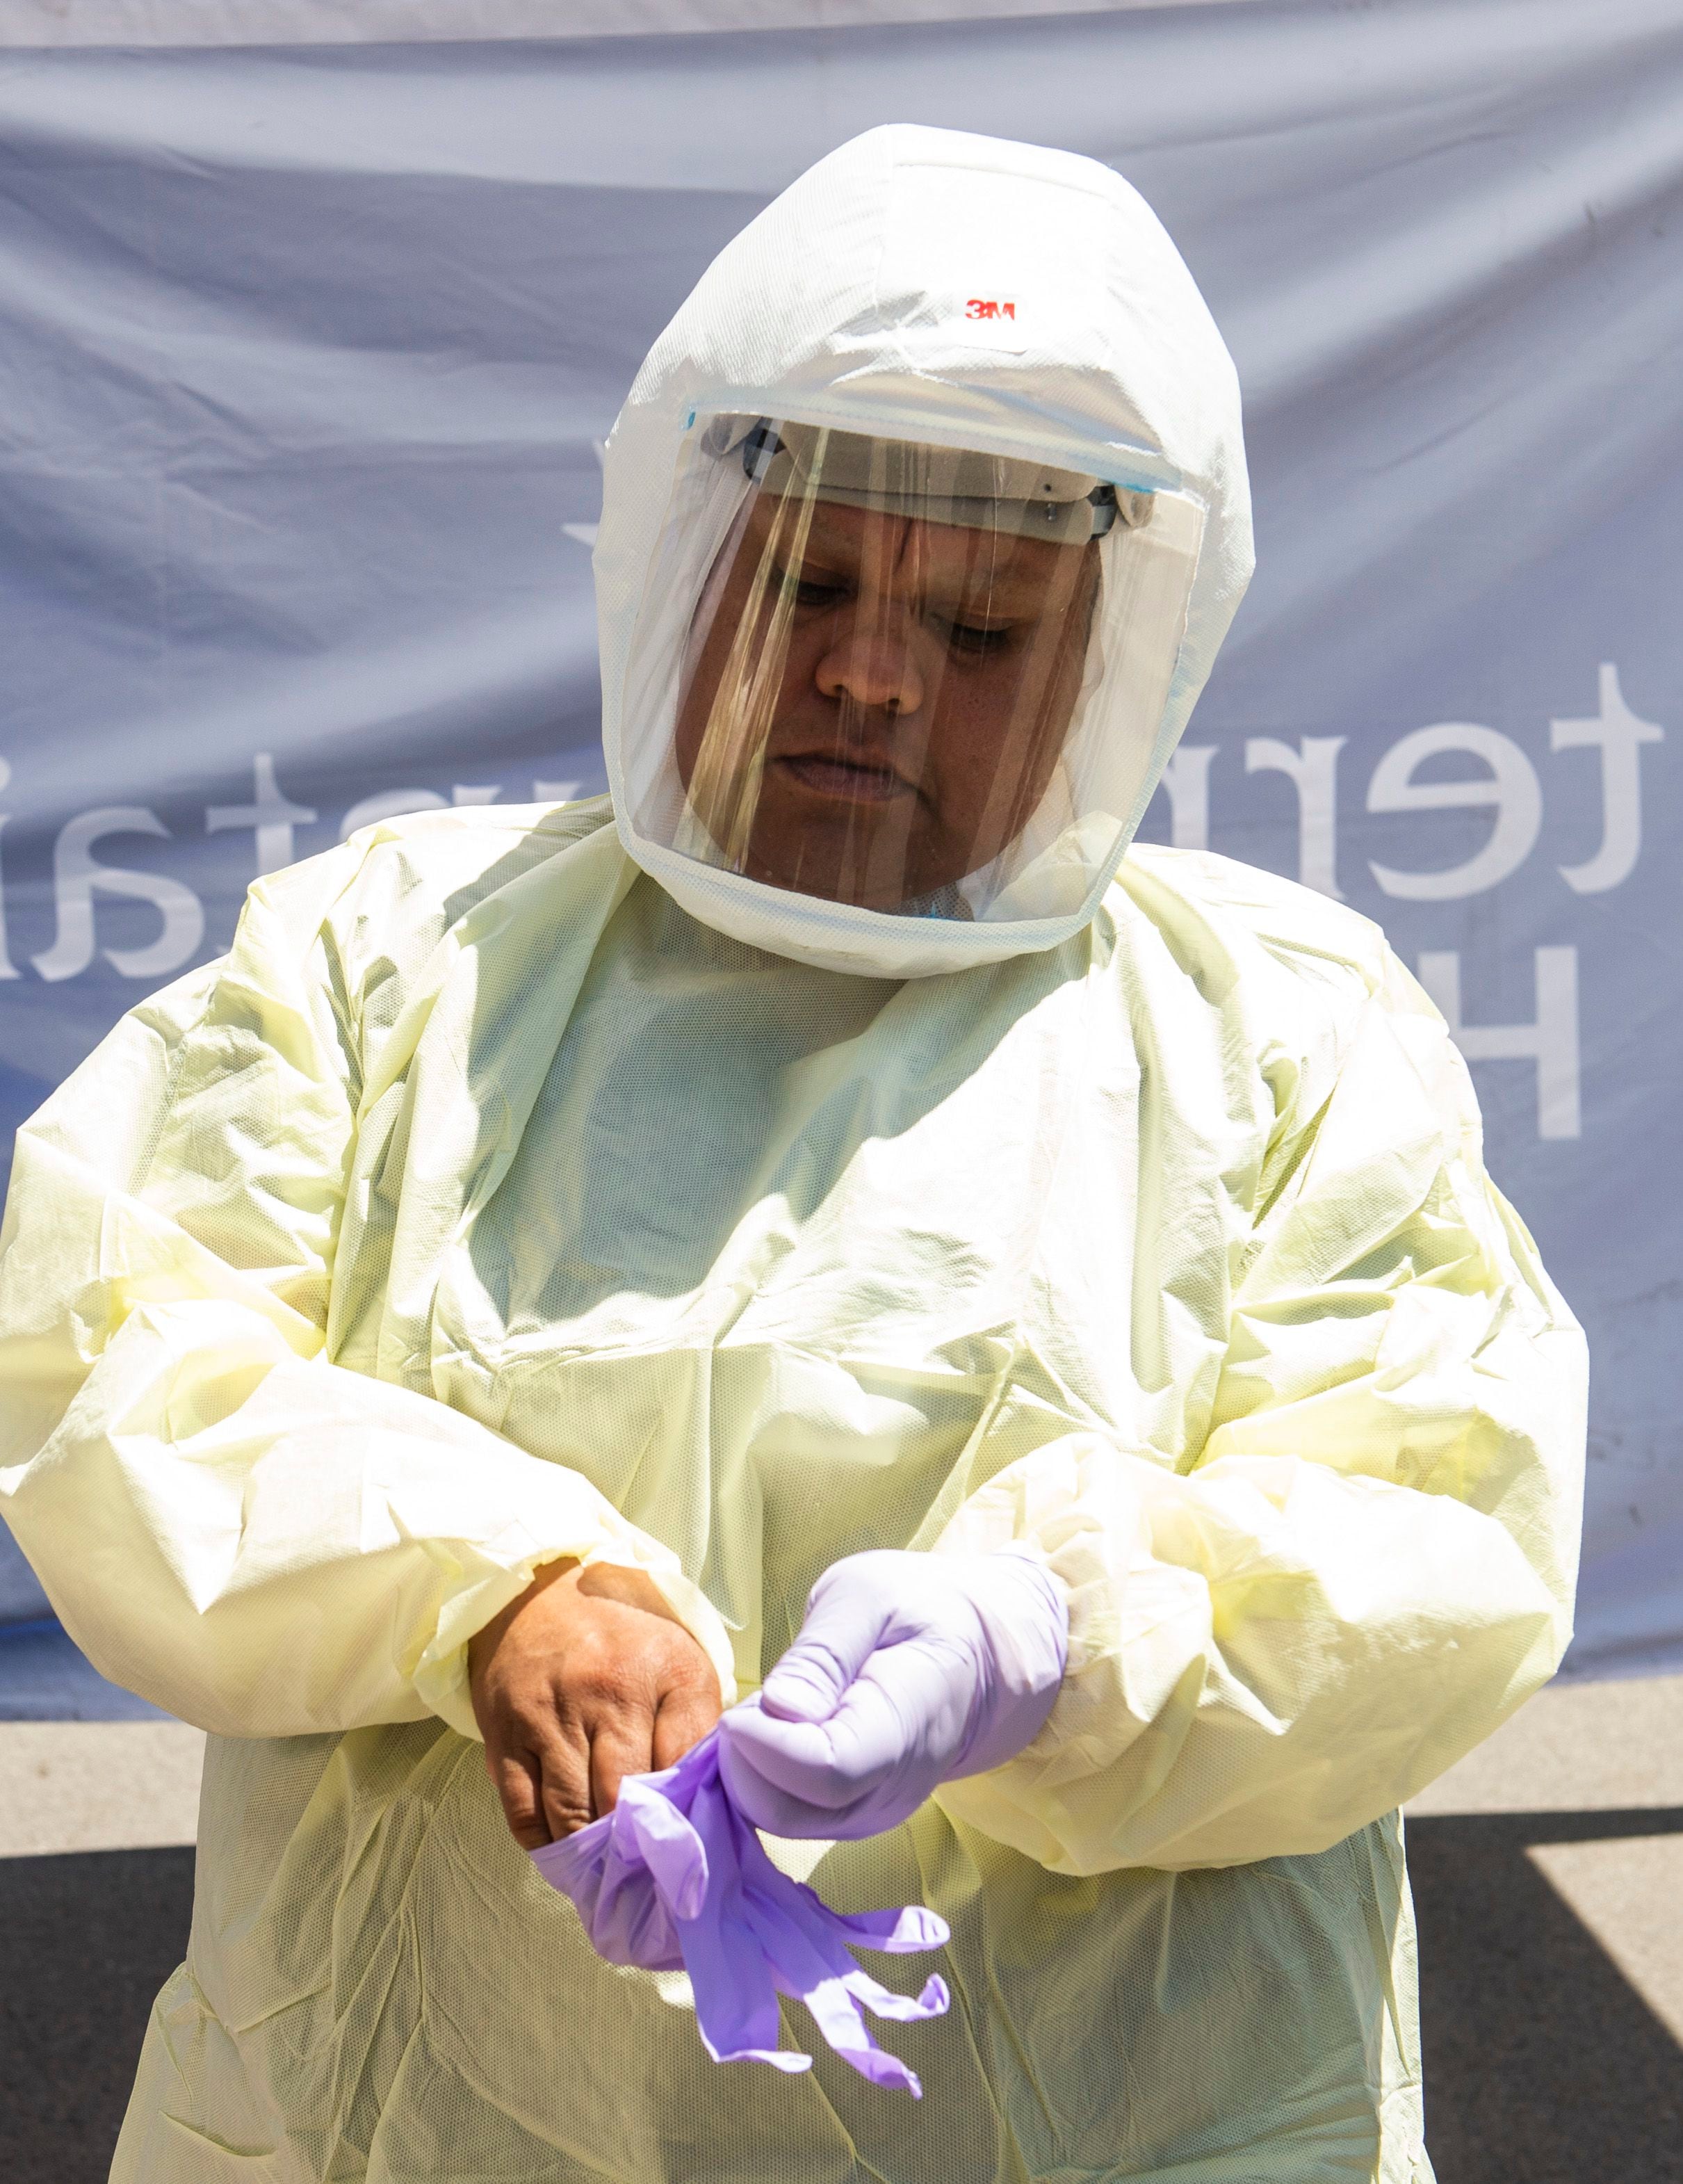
764 1805
893 1717
841 1633
826 1764
872 1764
789 1759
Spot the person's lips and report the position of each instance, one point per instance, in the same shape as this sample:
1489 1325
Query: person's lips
854 778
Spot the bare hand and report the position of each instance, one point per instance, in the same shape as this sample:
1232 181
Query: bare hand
585 1679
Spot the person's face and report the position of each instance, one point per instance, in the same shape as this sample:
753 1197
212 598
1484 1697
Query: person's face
927 678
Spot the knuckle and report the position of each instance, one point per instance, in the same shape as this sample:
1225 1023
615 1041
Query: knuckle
529 1725
692 1694
681 1664
594 1663
686 1655
566 1815
521 1808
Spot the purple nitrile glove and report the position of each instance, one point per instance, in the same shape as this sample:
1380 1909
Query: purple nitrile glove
909 1671
674 1879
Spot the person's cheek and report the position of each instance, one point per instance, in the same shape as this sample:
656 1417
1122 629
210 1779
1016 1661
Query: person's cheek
810 641
965 751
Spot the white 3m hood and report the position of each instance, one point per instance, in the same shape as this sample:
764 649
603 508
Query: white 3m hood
930 285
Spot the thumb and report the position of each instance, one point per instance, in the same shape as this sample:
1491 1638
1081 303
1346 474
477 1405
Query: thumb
842 1630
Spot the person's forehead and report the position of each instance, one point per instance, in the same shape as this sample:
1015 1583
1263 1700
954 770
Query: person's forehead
897 545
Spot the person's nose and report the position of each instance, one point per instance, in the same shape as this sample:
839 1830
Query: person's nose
874 666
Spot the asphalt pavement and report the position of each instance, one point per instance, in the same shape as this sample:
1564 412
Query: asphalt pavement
1547 1873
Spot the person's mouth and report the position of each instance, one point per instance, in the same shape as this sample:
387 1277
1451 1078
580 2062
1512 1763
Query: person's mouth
856 779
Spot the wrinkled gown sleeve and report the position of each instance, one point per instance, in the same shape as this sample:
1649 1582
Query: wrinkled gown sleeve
1281 1634
257 1540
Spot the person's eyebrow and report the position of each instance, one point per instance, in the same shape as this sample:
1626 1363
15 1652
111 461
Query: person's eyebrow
1012 596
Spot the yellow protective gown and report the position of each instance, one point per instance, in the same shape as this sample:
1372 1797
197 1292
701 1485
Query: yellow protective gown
483 1207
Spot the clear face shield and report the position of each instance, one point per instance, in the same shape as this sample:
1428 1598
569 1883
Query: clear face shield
922 681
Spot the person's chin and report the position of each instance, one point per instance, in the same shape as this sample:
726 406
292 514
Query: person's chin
826 878
832 883
822 888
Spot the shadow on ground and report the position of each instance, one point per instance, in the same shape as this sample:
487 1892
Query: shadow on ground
86 1942
1543 2065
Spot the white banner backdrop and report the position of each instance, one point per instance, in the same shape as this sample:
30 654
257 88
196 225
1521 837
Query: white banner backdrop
305 354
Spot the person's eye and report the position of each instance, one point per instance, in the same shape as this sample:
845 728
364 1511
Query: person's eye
814 590
976 640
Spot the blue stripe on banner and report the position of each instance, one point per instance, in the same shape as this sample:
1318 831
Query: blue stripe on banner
45 1677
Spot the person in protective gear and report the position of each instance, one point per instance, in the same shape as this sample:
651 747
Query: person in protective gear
554 1244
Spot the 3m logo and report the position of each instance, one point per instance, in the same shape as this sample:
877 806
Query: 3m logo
984 307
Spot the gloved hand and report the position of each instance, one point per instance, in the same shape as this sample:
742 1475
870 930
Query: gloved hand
910 1670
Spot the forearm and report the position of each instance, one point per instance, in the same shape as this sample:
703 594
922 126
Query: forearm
1369 1558
1264 1656
267 1545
